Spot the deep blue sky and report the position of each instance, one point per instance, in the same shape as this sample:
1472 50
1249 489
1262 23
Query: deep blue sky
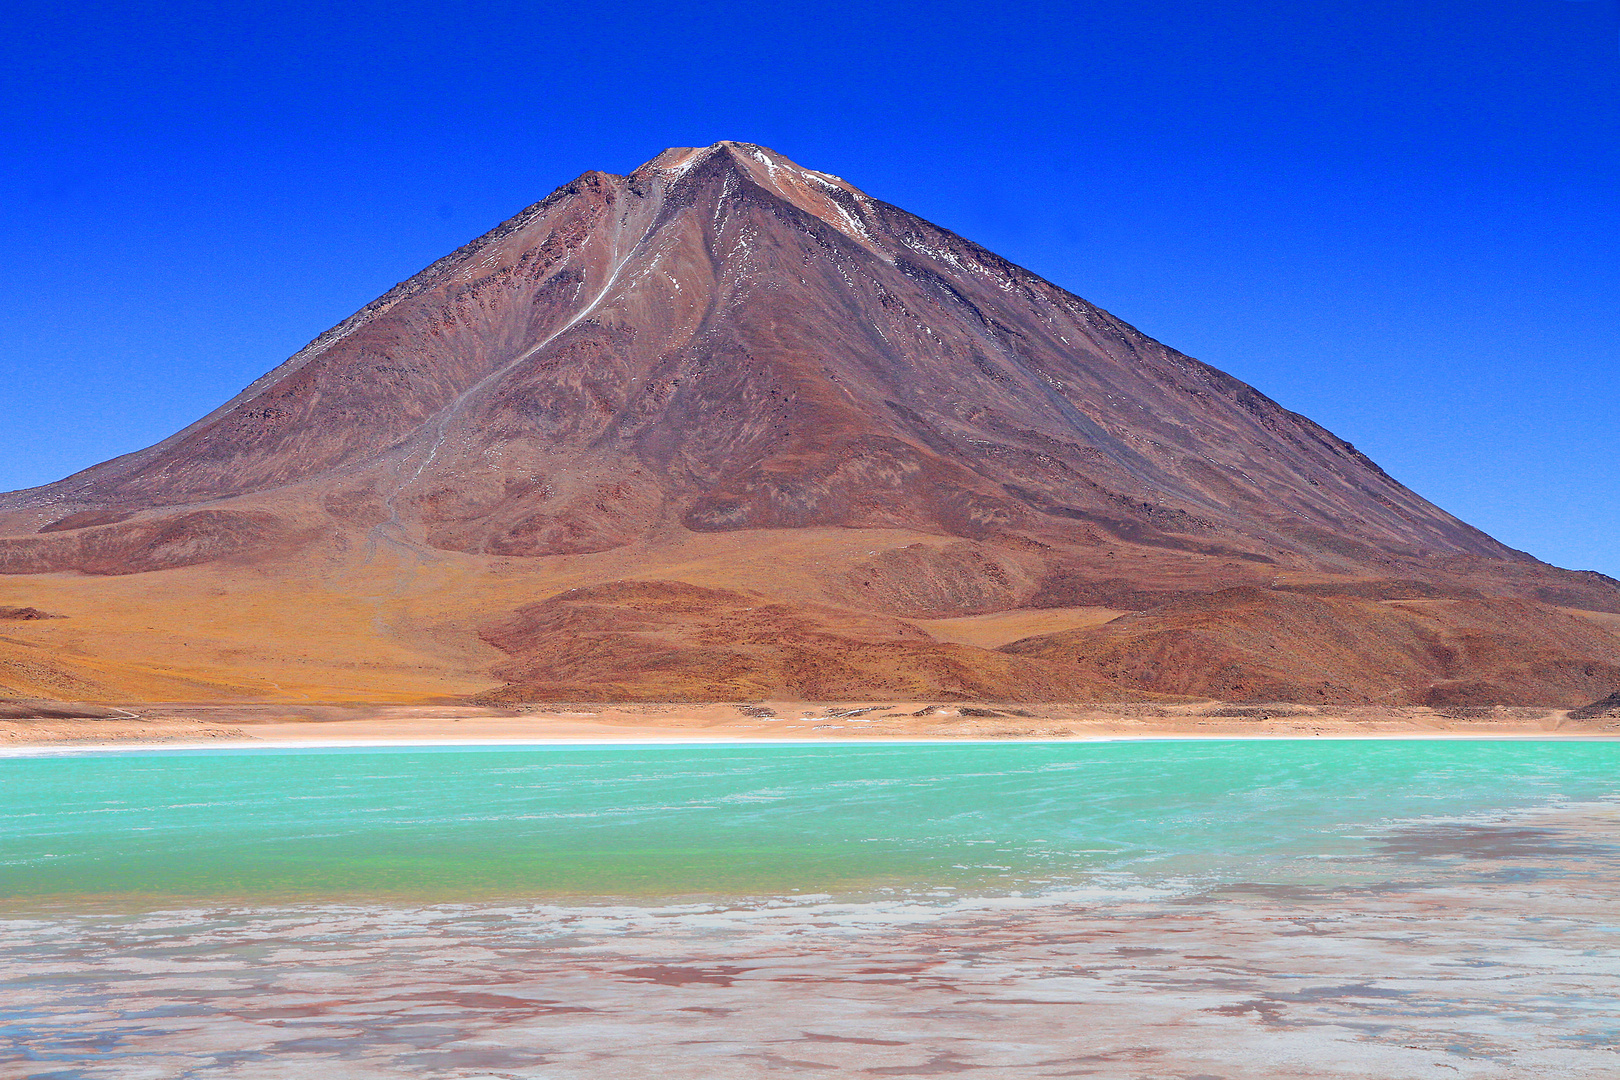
1398 218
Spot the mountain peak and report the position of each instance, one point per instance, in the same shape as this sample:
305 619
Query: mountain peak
680 159
809 188
823 195
682 339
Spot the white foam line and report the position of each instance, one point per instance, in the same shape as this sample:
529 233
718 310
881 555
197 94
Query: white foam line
47 749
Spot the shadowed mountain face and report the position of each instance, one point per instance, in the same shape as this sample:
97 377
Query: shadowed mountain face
724 341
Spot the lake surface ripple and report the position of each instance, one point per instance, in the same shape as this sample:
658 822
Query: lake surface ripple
1287 908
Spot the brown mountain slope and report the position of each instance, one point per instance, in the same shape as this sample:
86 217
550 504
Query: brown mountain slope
653 640
1249 644
725 344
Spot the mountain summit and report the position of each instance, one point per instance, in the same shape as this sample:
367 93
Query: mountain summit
724 339
726 342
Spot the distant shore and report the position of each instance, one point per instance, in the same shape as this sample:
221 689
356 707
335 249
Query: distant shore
136 726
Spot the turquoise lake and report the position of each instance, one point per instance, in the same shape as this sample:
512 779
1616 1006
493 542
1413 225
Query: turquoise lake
731 821
1291 909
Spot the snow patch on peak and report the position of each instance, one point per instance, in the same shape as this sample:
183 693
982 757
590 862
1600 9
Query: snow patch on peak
823 195
678 160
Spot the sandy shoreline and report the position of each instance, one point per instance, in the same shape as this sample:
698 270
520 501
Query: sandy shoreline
140 726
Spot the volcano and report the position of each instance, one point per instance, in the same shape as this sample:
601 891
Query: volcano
772 434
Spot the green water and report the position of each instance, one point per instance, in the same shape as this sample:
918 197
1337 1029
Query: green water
758 820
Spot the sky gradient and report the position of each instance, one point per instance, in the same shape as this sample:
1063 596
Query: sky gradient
1399 219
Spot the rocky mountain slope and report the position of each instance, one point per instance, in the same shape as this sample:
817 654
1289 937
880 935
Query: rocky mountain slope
724 344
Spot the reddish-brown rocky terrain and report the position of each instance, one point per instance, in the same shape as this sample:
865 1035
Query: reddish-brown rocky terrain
766 425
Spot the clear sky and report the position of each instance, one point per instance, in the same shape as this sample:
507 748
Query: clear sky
1400 219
